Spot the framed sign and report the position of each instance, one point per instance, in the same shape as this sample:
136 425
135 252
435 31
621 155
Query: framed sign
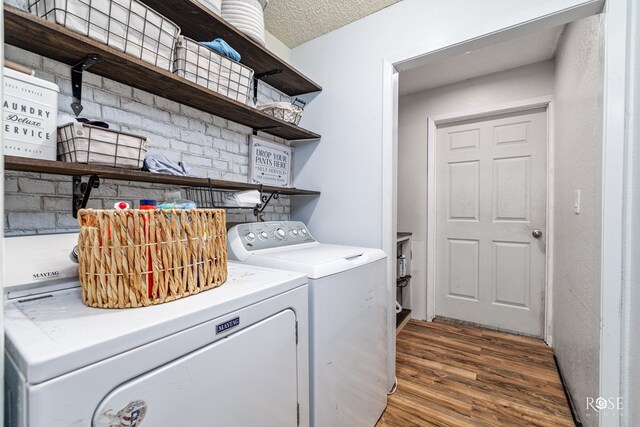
269 163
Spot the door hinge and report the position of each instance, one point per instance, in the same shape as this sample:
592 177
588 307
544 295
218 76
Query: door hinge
296 332
298 413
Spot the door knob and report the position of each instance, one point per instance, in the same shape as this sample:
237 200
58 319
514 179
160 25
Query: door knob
537 233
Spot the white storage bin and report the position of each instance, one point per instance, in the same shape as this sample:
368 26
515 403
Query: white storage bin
209 69
82 143
126 25
30 108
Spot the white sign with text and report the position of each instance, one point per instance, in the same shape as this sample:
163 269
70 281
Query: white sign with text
269 163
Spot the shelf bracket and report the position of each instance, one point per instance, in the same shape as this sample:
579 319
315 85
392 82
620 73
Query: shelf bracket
76 80
82 191
261 76
259 209
256 130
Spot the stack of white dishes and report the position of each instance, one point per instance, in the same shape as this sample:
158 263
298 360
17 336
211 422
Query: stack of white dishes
212 5
247 16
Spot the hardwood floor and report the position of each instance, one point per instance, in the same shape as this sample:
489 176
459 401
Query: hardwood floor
458 375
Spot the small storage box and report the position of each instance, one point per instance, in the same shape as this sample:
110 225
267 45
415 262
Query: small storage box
126 25
82 143
134 258
284 111
30 108
209 69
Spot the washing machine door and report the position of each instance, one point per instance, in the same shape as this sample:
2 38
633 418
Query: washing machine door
247 379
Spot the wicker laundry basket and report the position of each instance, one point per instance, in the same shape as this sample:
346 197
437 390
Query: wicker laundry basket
135 258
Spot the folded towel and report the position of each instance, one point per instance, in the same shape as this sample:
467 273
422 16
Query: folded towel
223 48
159 163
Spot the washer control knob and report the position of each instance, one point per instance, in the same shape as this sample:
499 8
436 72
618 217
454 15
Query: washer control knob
263 235
250 237
293 233
280 233
303 231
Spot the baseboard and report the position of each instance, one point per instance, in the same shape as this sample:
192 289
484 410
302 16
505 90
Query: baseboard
572 406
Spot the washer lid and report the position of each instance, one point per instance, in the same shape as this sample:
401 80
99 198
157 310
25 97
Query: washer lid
53 334
316 260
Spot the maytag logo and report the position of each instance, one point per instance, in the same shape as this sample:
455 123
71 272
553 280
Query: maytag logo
46 275
227 325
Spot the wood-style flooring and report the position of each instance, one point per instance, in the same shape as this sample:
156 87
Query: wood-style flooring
457 375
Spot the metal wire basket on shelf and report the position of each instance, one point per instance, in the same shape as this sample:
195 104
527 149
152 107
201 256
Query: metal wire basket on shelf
289 112
213 198
209 69
126 25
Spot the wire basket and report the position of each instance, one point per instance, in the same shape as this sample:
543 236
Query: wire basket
207 197
83 143
126 25
134 258
289 112
209 69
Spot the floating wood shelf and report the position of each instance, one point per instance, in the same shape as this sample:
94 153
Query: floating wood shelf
25 164
54 41
199 23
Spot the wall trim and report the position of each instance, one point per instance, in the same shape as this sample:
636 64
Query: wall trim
390 206
474 114
613 161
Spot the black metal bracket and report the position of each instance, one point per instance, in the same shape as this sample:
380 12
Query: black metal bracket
261 76
265 202
256 130
82 191
76 80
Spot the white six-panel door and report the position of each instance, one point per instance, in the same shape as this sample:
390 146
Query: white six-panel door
490 197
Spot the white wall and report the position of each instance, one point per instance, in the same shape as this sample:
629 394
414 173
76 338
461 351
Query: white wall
530 81
347 164
578 166
631 296
276 46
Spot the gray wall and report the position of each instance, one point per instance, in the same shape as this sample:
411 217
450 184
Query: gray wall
578 159
214 147
520 83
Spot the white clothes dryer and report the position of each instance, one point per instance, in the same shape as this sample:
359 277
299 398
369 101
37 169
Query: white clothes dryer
348 316
236 355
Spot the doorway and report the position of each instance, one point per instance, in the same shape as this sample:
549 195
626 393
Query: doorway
490 187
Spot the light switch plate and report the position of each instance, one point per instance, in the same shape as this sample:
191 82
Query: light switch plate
576 202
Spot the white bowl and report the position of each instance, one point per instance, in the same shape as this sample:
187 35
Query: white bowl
248 10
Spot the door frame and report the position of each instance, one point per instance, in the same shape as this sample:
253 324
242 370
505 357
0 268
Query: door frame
478 113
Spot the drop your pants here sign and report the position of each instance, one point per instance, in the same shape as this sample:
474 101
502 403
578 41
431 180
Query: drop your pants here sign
269 163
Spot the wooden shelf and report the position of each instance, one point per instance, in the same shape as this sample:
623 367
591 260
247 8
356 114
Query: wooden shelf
25 164
49 39
199 23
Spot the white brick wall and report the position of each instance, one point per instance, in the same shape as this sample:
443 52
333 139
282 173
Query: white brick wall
212 146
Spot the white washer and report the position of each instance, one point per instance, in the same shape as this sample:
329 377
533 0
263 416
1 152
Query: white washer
348 316
236 355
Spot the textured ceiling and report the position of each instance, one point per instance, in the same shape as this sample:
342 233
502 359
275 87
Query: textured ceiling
514 53
297 21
